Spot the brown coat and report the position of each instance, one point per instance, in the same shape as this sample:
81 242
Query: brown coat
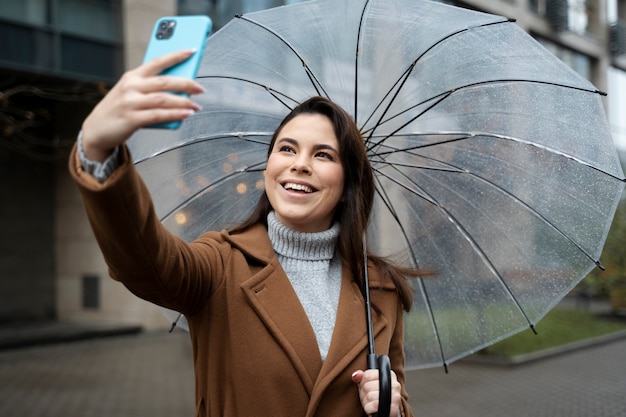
255 353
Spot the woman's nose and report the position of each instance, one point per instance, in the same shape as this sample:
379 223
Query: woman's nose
301 164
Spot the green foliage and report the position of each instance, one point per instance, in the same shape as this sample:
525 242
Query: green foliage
558 327
613 258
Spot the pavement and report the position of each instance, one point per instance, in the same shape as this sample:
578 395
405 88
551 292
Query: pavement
93 372
18 335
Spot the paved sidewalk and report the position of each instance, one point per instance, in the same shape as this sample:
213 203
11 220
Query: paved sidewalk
150 374
585 383
19 335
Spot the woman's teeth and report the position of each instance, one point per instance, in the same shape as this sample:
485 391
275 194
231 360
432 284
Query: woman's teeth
298 187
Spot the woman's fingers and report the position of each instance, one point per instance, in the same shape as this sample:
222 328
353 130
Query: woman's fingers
161 100
169 83
140 98
160 64
160 115
151 81
369 391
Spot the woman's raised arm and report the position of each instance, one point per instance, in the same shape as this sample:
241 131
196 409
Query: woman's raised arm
140 98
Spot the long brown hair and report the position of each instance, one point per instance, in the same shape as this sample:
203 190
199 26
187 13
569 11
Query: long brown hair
354 209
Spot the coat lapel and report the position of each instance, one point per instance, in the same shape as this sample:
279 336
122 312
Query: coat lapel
349 336
273 298
276 303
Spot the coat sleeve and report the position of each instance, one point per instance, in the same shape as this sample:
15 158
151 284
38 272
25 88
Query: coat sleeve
139 251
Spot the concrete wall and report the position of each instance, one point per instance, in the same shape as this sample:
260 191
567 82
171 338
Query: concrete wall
139 18
26 226
79 260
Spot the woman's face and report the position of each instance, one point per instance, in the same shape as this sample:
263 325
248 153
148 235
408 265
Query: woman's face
304 175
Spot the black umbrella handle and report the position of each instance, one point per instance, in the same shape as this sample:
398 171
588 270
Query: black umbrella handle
383 364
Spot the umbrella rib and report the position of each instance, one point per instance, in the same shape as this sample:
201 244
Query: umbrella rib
356 63
472 135
502 190
498 81
444 95
405 76
246 136
465 233
439 98
399 83
455 169
273 92
393 149
312 78
387 202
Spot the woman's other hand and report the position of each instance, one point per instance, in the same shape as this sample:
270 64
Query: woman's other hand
140 98
369 386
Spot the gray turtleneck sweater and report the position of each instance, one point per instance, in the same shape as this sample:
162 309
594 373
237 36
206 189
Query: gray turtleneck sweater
310 262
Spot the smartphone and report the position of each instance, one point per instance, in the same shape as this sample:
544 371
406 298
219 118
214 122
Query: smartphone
175 33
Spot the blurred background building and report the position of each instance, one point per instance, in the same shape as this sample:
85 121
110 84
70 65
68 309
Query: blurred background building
59 57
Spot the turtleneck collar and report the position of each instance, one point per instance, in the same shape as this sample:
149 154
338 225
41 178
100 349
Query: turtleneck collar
299 245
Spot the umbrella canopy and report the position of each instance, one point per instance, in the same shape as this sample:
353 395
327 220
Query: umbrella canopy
493 160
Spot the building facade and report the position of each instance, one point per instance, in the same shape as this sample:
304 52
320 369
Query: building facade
59 57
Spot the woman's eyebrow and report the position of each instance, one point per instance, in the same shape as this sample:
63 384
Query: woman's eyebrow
323 146
288 140
316 147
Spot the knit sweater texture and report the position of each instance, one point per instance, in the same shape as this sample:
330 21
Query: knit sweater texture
314 270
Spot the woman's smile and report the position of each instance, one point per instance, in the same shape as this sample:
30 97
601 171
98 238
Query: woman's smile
304 175
292 186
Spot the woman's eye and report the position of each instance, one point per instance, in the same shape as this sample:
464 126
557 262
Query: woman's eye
325 155
285 148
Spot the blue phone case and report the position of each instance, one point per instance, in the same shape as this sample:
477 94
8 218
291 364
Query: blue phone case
175 33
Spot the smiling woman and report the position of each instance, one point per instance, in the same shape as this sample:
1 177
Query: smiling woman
281 296
304 175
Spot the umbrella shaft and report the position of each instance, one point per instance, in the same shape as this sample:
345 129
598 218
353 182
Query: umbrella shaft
371 358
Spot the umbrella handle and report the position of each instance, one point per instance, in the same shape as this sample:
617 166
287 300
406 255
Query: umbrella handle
384 378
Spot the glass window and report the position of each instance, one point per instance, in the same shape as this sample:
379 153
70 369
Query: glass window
254 6
63 36
25 46
611 11
99 19
578 62
80 56
26 11
577 18
617 106
222 11
537 6
573 15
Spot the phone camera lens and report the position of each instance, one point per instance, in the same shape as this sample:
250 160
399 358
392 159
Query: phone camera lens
165 29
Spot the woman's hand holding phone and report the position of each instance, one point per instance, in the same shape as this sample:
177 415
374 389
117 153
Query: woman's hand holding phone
140 98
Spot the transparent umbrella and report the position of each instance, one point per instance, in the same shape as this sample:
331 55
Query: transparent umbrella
493 160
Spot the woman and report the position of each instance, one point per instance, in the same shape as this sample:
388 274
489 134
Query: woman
274 306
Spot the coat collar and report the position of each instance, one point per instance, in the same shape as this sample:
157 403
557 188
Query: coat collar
271 295
254 242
